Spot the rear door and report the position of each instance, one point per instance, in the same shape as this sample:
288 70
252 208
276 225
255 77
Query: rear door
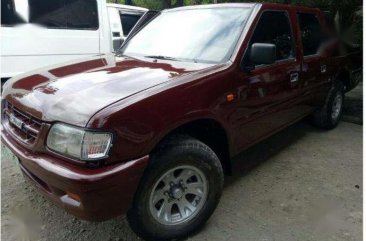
316 68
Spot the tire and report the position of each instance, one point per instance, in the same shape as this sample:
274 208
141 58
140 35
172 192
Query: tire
175 161
329 115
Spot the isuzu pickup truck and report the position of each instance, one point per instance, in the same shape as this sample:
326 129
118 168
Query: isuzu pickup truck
151 131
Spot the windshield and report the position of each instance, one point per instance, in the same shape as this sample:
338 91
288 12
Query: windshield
197 35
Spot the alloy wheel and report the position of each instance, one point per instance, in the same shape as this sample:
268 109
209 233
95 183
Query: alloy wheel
178 195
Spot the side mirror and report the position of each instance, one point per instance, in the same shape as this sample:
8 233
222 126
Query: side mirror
262 53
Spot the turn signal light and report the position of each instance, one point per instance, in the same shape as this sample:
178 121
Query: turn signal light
230 97
74 196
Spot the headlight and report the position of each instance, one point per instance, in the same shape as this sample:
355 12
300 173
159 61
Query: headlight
79 143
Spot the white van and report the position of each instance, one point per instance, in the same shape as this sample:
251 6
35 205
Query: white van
122 19
37 33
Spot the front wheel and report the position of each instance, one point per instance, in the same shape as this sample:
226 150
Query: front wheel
179 191
329 115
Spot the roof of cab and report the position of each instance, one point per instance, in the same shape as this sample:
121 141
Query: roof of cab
219 5
127 7
288 6
248 5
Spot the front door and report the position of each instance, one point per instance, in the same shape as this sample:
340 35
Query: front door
268 95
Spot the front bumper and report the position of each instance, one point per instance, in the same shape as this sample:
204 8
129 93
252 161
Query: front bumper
91 194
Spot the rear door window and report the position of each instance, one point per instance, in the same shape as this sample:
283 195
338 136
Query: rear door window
128 21
82 14
50 14
311 33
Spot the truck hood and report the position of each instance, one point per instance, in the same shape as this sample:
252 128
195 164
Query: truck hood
75 91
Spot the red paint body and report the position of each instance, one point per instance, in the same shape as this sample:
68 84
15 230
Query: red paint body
141 101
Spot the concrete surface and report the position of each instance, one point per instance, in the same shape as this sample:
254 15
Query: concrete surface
303 184
353 106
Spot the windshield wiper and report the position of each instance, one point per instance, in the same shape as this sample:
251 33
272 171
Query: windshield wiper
161 57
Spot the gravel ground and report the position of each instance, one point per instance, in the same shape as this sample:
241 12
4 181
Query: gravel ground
302 184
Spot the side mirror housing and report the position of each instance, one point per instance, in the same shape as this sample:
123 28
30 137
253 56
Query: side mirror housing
263 53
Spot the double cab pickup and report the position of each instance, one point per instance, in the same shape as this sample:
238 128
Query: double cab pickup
151 130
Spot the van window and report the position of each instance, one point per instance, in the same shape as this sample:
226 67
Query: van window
82 14
128 21
274 28
311 33
66 14
9 16
50 14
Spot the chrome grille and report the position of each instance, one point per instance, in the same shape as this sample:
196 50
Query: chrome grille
31 127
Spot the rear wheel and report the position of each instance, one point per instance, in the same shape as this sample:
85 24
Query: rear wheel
329 115
179 191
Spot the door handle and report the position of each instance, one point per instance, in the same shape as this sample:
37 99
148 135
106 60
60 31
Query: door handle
294 77
323 69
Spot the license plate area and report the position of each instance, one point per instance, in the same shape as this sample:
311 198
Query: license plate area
15 121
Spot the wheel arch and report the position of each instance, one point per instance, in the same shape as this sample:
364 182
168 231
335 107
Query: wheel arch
207 130
344 76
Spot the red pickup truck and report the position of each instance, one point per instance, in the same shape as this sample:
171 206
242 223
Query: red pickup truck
151 130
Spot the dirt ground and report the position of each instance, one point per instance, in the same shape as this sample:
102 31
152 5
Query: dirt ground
301 184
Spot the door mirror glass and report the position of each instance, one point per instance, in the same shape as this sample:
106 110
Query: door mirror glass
263 53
